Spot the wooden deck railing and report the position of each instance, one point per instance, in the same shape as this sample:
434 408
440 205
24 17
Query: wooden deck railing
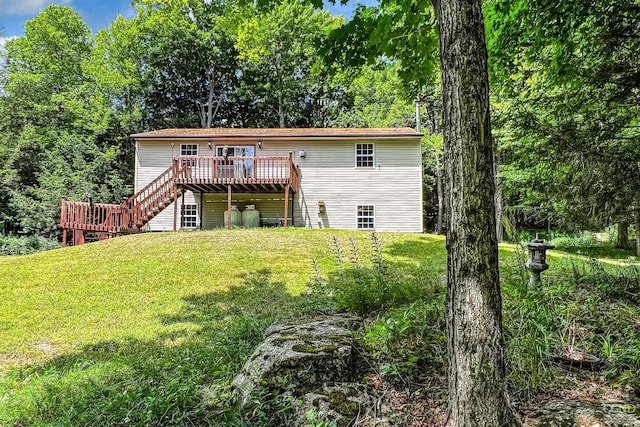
139 209
100 217
237 170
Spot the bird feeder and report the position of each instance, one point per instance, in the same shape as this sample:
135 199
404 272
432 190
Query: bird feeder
537 261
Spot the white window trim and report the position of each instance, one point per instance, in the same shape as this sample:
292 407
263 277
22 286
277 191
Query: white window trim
183 147
374 216
355 155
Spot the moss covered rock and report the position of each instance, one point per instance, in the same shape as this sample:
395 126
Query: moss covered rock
302 357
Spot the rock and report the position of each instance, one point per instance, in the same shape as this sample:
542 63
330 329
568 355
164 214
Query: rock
341 404
573 413
302 357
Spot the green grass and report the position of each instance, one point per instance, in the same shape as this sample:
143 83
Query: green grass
150 329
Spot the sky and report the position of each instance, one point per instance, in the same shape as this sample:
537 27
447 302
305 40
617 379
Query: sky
97 14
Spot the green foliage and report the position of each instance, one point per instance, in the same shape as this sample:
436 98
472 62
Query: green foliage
410 338
313 421
379 99
12 245
365 282
402 30
60 136
565 107
578 308
143 341
184 53
584 240
278 48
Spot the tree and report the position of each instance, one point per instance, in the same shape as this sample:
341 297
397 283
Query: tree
187 62
59 135
568 111
477 387
379 99
278 48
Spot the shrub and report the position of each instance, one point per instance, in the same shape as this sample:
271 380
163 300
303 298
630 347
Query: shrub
583 240
364 285
25 245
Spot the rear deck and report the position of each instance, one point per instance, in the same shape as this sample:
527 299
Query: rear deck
203 174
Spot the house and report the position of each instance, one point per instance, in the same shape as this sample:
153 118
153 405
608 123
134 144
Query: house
187 179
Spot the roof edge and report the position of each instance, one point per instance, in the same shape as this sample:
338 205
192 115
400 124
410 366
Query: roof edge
272 134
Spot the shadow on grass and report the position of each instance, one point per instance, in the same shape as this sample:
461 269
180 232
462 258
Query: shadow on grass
600 251
178 378
426 252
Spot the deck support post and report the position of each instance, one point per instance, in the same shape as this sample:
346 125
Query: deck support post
182 212
201 208
175 209
228 207
78 237
64 238
286 205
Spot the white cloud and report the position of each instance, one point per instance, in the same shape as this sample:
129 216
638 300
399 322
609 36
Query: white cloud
26 7
3 40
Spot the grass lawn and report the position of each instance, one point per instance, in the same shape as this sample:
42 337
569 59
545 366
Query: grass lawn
150 329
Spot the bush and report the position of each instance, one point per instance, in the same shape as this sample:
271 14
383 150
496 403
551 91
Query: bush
25 245
365 285
583 240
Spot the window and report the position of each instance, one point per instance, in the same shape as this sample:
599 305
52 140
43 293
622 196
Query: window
188 149
189 216
364 155
366 217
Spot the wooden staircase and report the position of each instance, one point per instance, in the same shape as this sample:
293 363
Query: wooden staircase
204 174
107 220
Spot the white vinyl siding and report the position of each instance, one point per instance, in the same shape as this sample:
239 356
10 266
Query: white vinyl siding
152 159
393 186
365 155
327 173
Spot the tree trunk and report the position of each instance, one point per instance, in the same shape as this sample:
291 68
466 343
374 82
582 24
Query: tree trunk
280 111
622 240
636 215
477 388
440 195
498 200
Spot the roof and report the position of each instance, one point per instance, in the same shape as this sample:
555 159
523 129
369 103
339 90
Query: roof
282 133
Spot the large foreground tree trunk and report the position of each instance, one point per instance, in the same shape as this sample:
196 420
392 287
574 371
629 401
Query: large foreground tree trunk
477 389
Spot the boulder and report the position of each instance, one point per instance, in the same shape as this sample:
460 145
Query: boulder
341 404
302 357
574 413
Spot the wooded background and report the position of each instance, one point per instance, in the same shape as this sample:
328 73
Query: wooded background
565 89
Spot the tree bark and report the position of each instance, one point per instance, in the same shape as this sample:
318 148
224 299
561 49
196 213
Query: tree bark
477 388
636 215
498 199
622 240
440 195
